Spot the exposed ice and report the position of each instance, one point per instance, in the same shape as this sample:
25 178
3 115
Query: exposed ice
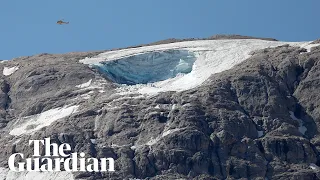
7 71
149 67
171 67
302 128
27 125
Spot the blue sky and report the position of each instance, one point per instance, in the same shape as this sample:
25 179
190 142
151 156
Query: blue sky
29 27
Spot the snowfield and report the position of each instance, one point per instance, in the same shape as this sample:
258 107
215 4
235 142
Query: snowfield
176 66
8 71
34 123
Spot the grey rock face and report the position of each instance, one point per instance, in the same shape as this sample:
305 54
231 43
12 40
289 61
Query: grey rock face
247 122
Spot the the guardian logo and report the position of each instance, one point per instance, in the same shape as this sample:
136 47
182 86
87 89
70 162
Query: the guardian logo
71 162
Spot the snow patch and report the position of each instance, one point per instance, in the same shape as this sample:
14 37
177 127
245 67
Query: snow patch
308 46
87 89
87 95
117 146
314 166
153 141
93 141
174 106
16 141
85 85
170 131
90 85
176 66
302 128
27 125
11 175
8 71
133 147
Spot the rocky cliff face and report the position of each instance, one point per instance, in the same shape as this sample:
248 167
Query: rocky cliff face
256 120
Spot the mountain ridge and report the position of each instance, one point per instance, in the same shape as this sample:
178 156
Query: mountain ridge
248 121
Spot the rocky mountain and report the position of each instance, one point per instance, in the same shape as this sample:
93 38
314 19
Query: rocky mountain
226 108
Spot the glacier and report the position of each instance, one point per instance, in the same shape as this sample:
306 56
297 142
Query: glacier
149 67
176 66
147 70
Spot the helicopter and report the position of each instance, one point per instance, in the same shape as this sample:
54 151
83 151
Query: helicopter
60 22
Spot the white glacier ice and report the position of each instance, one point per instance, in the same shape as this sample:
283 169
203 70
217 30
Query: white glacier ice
176 66
148 67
